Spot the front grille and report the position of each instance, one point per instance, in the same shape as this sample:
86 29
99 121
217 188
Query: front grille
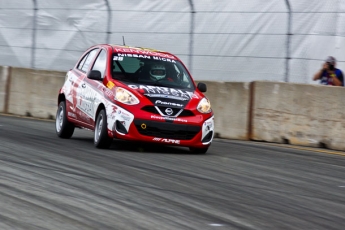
166 130
152 109
186 113
174 111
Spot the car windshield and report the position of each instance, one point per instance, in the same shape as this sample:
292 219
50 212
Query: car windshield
150 70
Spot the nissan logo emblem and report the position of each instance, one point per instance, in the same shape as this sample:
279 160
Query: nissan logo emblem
169 111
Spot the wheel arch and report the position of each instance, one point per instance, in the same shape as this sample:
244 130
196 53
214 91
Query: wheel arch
109 136
99 108
61 97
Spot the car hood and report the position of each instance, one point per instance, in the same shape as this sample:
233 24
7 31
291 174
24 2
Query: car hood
167 97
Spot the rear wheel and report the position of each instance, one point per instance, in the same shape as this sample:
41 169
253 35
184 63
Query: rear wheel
198 150
101 138
64 128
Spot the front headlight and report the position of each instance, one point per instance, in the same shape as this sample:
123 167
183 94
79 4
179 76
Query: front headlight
124 96
204 106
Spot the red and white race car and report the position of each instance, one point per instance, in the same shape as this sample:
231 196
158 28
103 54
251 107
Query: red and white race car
135 94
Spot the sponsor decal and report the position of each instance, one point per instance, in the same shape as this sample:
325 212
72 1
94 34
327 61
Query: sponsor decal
113 112
126 114
164 92
118 58
109 93
168 118
83 116
70 114
123 113
87 98
144 52
159 102
163 59
166 96
209 123
132 55
121 55
208 126
70 89
116 113
172 141
124 117
110 84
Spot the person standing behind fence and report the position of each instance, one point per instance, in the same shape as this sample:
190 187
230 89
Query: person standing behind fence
329 75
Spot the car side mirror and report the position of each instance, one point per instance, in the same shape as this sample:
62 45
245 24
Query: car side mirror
202 87
95 75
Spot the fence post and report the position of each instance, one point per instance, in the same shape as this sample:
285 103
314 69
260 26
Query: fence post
191 41
288 41
109 21
33 46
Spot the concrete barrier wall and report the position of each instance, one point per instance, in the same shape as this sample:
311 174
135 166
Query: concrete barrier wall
34 92
4 71
309 115
230 103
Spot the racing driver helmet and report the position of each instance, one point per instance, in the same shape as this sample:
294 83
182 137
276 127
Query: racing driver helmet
157 72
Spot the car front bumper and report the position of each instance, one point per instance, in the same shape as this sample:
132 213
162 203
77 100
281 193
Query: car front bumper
195 131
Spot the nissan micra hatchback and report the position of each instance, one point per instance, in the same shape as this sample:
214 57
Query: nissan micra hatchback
135 94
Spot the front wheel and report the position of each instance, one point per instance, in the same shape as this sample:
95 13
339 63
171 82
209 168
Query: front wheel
64 128
101 138
198 150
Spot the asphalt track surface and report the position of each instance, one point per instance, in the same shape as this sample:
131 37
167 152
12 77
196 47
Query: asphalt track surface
52 183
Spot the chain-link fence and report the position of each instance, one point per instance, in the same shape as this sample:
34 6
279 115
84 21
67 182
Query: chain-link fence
225 40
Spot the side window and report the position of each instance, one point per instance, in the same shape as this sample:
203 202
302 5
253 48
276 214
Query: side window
101 62
181 75
86 61
81 63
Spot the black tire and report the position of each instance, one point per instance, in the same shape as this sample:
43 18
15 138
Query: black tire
101 138
198 150
64 128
